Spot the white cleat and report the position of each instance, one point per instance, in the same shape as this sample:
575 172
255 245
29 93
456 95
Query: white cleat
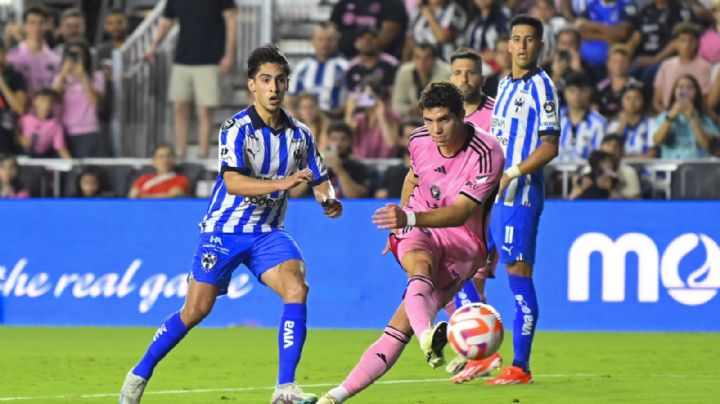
432 344
456 365
290 393
132 389
326 398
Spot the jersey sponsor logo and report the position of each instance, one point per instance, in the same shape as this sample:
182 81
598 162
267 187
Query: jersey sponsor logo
208 261
497 123
228 124
288 334
475 185
435 192
528 319
690 288
263 201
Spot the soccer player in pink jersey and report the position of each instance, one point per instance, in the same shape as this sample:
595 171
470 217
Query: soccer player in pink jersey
445 205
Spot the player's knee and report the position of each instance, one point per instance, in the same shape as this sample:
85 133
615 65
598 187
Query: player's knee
194 314
296 292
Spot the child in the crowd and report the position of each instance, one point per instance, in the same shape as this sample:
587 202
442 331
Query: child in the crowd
10 184
41 135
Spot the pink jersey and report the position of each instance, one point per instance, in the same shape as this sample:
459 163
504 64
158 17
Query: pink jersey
46 134
482 115
38 69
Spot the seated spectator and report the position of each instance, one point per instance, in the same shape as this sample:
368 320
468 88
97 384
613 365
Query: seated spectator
393 178
628 185
601 182
713 98
504 64
488 20
370 62
71 29
710 38
12 103
349 177
388 17
375 125
165 182
633 124
11 186
81 90
686 37
582 128
412 77
685 131
323 73
439 23
608 90
89 183
41 135
309 113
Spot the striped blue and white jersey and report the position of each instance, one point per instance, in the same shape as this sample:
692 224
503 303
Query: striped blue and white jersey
526 109
638 139
324 79
247 145
578 141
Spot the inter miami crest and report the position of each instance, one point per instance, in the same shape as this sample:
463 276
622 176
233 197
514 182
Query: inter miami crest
435 192
208 261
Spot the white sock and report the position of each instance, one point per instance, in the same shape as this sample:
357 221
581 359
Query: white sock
339 393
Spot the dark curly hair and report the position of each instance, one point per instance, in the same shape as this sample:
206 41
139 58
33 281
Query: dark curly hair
442 95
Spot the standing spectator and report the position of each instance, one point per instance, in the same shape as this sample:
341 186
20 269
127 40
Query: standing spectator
566 59
710 39
685 131
490 21
12 103
686 37
608 90
582 128
81 90
504 64
41 135
310 114
393 177
165 182
72 28
10 185
633 124
205 48
389 17
370 63
544 10
116 31
322 74
37 63
439 23
374 123
412 77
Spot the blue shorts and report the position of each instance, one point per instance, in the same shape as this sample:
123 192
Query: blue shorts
513 230
219 254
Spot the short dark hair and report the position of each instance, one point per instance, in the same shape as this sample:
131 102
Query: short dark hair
70 13
578 79
340 126
686 27
467 53
268 53
426 46
524 19
613 137
37 11
569 30
597 157
442 95
46 92
639 87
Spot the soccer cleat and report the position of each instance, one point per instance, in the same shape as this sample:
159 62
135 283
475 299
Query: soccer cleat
324 399
511 375
132 389
432 344
475 369
456 365
290 393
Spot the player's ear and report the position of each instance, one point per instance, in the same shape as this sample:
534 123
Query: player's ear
251 85
461 114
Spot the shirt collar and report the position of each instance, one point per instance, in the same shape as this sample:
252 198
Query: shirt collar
527 75
258 123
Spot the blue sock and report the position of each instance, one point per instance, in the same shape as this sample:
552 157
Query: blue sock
526 316
166 337
468 294
291 339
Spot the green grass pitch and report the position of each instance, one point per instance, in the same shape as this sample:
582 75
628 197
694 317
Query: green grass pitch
88 365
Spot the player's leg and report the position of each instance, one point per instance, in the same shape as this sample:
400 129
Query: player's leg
420 307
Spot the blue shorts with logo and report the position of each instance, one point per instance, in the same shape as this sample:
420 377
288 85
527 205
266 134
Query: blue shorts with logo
219 254
513 230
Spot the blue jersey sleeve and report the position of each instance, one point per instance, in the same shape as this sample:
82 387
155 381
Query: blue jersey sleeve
231 142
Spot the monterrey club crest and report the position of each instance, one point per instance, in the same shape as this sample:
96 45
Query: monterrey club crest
208 261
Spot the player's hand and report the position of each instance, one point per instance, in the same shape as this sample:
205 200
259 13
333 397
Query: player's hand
390 217
504 182
226 64
333 208
300 177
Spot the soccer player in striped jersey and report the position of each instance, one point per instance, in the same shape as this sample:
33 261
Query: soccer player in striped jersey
445 206
263 154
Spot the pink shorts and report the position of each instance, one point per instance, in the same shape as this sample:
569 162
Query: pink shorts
456 256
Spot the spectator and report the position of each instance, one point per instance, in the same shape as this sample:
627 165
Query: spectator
439 23
393 177
12 103
32 57
412 77
116 31
370 62
608 90
165 182
544 10
652 42
601 181
504 63
322 74
81 90
349 177
388 17
566 58
633 124
310 114
374 123
582 128
628 182
686 37
89 183
205 49
685 131
491 20
713 98
11 186
710 39
41 135
72 28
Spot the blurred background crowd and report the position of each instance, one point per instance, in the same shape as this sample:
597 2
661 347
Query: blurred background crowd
638 83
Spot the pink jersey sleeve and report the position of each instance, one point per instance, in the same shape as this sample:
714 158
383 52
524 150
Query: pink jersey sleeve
484 175
58 137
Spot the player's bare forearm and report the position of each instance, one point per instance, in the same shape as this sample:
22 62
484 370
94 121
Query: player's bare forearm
541 156
238 184
393 217
409 185
324 191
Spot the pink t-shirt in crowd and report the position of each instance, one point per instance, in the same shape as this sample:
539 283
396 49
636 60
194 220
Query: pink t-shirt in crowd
369 141
710 46
671 69
79 113
38 69
481 116
47 134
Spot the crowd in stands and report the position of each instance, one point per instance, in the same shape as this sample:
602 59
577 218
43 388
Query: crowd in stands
636 79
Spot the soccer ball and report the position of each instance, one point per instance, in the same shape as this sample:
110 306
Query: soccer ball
475 331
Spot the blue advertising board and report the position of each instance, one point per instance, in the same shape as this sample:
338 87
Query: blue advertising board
600 266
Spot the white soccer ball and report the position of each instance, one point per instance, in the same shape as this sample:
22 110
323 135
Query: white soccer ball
475 331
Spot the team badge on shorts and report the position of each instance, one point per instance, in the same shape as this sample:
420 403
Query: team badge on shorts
208 261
